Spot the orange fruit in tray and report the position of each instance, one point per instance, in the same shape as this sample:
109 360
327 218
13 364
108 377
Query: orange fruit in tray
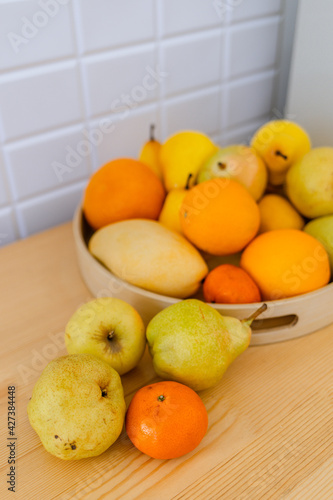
166 420
228 284
285 263
122 189
219 216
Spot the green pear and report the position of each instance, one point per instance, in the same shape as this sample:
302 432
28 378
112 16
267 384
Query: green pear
309 183
77 407
192 343
322 229
110 329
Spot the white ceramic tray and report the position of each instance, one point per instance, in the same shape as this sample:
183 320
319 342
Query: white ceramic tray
283 320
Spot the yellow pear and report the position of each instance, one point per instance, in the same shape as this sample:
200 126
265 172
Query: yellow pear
147 254
150 152
280 143
170 213
183 154
278 213
309 183
77 406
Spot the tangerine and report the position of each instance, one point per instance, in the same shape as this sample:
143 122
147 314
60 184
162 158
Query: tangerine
122 189
228 284
166 420
219 216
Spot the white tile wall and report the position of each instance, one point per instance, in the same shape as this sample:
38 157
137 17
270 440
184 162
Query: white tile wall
129 131
113 78
192 61
249 99
23 43
112 23
257 55
252 9
8 231
82 80
199 111
52 209
4 199
45 162
40 98
180 16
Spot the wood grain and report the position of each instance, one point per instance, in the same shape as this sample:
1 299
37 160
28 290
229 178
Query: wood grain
270 430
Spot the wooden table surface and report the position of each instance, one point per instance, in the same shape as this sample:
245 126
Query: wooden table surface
270 432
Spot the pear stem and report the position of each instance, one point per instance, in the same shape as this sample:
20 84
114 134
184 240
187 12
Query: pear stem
152 132
111 335
221 165
254 315
188 181
278 153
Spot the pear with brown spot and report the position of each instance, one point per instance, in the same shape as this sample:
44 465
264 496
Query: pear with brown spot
77 407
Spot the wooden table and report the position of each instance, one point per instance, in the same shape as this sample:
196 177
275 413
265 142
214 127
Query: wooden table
270 432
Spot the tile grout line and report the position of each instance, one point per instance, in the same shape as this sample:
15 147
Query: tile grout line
161 64
75 15
225 76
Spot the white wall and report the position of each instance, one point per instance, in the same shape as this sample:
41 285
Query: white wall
71 68
310 97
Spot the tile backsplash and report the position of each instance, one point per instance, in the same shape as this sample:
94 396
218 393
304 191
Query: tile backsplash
82 80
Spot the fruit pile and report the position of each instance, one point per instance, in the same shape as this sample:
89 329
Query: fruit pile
238 224
233 223
77 406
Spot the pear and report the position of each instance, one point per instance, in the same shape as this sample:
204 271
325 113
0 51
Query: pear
183 154
77 407
309 183
280 143
147 254
150 153
322 229
192 343
170 213
277 212
240 163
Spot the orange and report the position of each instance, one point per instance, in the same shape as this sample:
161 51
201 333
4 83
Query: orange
228 284
285 263
166 420
122 189
219 216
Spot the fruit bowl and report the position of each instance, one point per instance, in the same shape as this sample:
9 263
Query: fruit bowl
283 320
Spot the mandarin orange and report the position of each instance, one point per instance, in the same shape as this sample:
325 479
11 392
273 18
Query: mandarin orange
228 284
166 420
